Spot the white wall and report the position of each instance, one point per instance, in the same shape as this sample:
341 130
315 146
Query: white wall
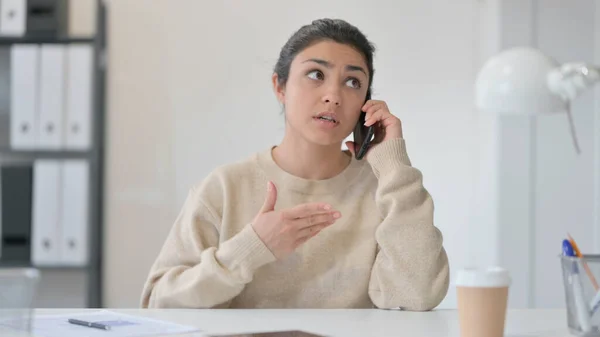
563 181
545 189
139 174
183 72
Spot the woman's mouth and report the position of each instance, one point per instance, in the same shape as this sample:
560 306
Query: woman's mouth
326 119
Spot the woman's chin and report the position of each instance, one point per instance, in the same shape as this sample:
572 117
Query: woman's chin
327 141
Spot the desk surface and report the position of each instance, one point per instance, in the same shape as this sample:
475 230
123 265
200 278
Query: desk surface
347 323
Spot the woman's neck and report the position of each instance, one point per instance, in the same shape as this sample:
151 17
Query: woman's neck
307 160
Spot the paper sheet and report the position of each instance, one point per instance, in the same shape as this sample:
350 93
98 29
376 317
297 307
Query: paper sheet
121 325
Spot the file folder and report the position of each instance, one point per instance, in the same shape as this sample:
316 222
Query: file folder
13 17
52 83
24 95
15 221
46 212
5 71
47 17
79 97
74 215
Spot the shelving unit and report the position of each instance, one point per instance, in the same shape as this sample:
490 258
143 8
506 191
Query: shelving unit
6 40
72 286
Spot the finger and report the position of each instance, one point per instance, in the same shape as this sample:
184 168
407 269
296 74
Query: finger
370 103
350 146
375 117
376 109
388 120
303 240
379 135
380 104
316 219
311 231
370 110
271 199
304 210
384 117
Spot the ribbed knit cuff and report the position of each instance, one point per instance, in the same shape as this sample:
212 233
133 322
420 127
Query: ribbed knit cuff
388 155
244 250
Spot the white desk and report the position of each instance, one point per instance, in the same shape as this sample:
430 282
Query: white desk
348 323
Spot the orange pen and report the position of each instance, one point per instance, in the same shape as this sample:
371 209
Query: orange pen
585 266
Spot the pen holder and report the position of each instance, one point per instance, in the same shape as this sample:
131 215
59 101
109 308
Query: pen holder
580 279
17 291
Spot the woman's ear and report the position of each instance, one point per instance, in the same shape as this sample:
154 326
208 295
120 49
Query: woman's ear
278 89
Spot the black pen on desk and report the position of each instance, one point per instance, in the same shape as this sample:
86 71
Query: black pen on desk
89 324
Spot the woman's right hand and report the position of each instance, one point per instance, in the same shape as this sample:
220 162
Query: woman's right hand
284 230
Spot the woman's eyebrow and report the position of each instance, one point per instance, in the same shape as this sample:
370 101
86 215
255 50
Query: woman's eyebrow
328 64
356 68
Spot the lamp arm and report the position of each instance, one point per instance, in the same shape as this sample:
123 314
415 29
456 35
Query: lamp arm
569 80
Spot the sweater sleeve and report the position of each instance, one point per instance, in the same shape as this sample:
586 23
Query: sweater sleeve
194 270
411 268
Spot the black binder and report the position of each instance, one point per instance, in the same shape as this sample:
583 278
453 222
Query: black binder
16 201
48 18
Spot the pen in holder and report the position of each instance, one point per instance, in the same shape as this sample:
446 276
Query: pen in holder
583 300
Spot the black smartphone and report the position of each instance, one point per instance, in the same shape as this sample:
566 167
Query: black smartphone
362 135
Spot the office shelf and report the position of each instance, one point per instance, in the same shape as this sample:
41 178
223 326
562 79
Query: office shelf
4 265
45 154
9 40
92 284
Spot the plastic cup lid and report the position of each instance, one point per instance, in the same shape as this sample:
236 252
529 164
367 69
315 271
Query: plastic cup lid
483 277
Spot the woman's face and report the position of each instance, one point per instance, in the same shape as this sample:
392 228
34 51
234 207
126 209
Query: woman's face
325 91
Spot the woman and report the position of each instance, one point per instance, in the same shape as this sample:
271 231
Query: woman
304 224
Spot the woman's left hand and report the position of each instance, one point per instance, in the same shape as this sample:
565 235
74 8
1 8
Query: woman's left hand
387 126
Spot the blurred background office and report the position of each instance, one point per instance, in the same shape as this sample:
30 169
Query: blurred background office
111 110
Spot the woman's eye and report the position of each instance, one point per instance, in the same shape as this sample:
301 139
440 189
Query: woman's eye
353 83
316 75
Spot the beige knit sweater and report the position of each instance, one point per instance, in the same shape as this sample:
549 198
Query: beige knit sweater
384 251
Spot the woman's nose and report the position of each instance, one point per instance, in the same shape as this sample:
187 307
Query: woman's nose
332 98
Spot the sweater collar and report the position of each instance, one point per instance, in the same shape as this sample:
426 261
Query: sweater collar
283 180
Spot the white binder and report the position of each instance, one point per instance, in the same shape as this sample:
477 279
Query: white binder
52 83
46 217
79 97
13 17
24 78
74 212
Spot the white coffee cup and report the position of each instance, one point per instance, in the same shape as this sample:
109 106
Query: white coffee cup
482 299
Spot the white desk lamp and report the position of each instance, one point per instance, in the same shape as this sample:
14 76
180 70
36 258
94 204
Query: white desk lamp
524 81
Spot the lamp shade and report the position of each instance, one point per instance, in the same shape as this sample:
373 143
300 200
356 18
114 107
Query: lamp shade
515 81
